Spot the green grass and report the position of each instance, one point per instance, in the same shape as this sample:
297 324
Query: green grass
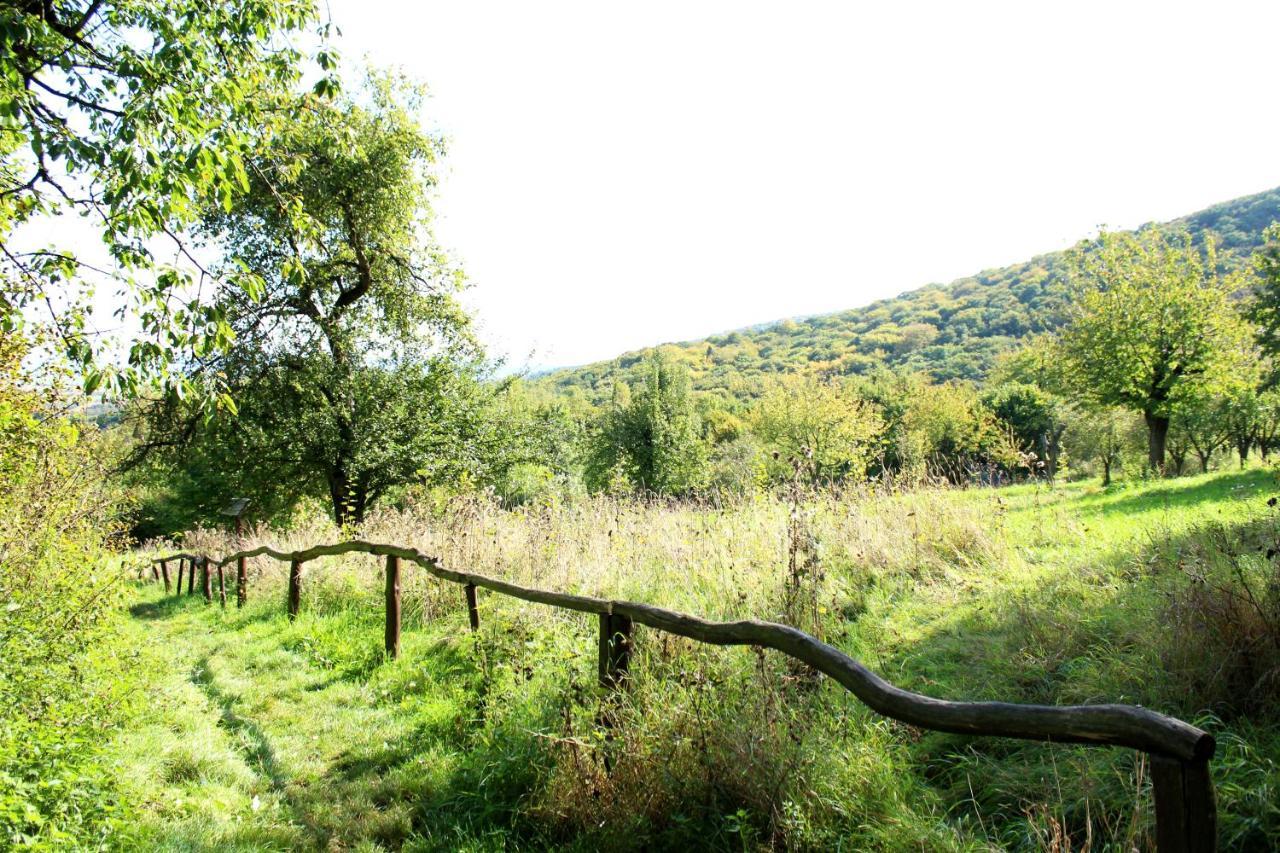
260 734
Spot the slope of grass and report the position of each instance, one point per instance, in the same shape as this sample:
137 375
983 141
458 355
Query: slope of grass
266 734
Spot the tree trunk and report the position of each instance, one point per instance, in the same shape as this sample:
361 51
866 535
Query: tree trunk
1204 462
348 499
1106 472
1157 432
1242 447
1055 451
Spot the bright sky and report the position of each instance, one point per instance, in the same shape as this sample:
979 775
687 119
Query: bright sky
623 175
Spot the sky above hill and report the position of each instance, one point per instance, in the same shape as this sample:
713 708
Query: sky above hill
622 175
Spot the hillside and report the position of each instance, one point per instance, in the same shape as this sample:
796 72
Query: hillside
951 331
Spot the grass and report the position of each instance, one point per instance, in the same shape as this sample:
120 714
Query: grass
265 734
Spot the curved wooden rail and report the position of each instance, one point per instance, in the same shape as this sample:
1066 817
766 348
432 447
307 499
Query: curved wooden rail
1185 810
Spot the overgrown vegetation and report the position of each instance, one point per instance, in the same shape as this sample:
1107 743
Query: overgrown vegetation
1032 593
59 597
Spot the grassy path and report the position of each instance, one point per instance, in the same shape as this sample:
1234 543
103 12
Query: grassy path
255 740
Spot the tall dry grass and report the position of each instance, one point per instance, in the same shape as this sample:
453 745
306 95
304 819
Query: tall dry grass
722 562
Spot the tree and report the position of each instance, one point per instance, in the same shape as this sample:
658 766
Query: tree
536 443
1152 320
355 366
1268 421
1264 305
651 441
1177 449
1037 418
418 423
1240 416
935 429
1102 436
1201 419
827 431
1038 362
139 116
947 430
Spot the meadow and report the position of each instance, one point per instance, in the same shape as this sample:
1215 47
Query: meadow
261 733
270 320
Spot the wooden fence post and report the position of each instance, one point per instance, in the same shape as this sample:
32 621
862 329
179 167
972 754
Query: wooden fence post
164 573
206 581
191 576
393 606
222 587
1186 815
242 581
473 612
615 649
295 588
155 572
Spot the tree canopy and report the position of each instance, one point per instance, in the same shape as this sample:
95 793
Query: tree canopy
354 370
1152 320
818 428
137 116
650 441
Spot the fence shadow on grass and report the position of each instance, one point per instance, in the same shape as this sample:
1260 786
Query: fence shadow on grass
162 608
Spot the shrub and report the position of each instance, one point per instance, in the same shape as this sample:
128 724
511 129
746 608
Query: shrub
56 589
1224 619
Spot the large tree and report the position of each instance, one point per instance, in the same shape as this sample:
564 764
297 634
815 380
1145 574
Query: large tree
354 369
1152 319
137 116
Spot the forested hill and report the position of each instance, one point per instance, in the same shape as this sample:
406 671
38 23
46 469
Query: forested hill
951 331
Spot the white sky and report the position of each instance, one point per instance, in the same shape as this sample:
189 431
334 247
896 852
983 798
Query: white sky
622 175
619 176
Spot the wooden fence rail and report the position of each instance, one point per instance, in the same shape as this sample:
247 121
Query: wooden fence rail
1186 814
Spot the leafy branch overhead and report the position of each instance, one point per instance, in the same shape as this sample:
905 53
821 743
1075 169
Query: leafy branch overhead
138 117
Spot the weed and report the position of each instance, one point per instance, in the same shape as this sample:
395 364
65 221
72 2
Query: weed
1224 620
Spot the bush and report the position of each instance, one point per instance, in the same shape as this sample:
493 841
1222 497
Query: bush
56 591
1224 621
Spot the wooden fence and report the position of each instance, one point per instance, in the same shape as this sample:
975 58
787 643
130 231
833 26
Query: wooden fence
1179 753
